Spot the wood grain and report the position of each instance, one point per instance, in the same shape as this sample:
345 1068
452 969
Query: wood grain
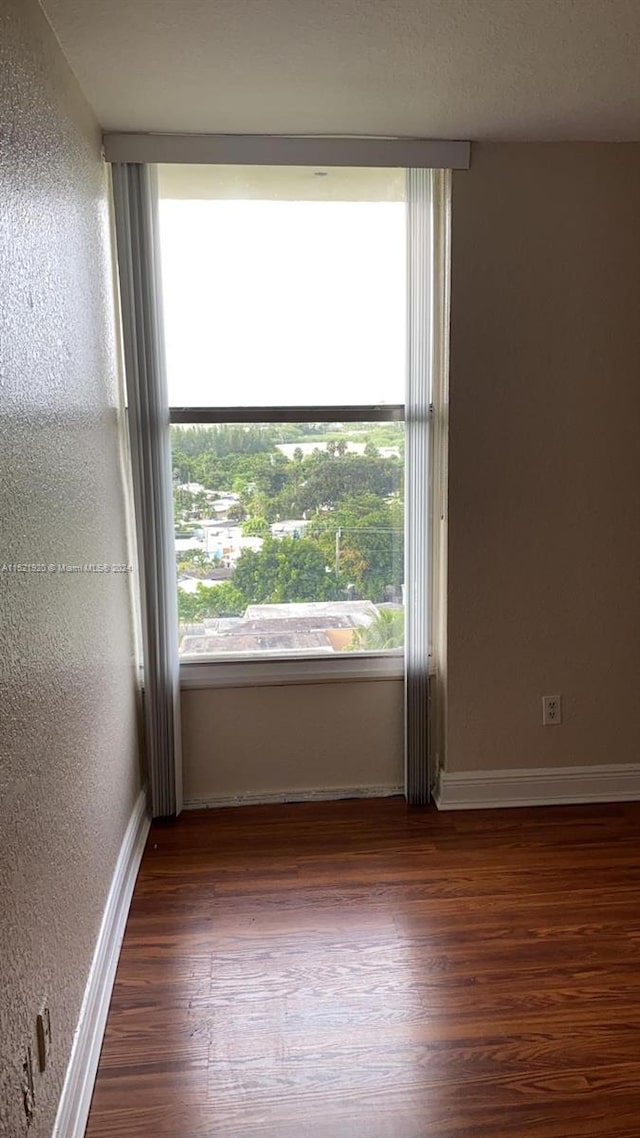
360 969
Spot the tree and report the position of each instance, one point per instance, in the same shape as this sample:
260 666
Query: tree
221 440
195 562
183 466
386 632
365 536
283 571
256 527
330 478
209 601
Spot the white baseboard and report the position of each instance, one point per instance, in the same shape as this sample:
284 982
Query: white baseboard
265 798
539 786
73 1109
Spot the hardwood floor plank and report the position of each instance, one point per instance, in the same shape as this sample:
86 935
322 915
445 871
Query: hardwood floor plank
364 970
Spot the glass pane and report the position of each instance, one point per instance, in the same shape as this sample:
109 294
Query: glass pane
289 538
283 286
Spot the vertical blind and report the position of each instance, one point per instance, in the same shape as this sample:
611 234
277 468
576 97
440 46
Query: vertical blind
135 202
417 493
428 194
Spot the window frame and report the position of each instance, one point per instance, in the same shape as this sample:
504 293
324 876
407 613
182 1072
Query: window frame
427 197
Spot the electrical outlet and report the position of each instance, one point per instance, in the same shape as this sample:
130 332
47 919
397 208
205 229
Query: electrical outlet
28 1090
551 710
43 1032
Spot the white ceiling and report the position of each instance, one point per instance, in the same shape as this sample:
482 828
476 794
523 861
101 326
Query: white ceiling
479 69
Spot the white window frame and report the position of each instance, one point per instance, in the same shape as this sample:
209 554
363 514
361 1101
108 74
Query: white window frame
414 663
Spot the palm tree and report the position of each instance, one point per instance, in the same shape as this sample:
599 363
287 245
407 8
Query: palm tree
386 632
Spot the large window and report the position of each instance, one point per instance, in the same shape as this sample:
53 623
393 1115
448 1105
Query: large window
286 328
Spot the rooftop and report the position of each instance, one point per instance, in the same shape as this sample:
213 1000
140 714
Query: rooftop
293 627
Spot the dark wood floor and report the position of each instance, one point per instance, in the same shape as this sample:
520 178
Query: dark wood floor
359 970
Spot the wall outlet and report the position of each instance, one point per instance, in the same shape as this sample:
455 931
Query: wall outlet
28 1090
43 1032
551 710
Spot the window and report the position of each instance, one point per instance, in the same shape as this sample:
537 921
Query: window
286 328
236 354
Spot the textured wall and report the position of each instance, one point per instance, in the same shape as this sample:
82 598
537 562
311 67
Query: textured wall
295 737
544 474
68 759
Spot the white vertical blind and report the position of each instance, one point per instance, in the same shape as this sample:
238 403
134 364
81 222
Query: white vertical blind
425 287
439 448
135 201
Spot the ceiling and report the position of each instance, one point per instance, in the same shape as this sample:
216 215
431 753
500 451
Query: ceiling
478 69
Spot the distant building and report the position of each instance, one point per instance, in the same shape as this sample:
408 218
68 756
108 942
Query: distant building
213 577
223 503
294 527
359 613
191 487
316 626
184 543
289 449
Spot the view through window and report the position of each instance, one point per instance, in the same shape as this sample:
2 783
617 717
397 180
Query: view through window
286 289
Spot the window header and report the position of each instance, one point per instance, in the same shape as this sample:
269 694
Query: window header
287 150
379 413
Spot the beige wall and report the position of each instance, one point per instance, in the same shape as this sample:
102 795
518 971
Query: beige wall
68 756
544 479
299 737
544 501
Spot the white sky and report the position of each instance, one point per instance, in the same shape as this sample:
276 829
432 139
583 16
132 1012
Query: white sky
280 302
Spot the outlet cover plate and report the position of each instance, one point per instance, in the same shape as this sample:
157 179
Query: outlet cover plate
551 710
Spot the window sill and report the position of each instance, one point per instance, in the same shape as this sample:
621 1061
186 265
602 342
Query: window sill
283 670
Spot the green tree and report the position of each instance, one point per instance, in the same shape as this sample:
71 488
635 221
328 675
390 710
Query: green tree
221 440
386 632
237 513
256 527
283 571
330 478
195 562
364 535
187 607
183 466
210 601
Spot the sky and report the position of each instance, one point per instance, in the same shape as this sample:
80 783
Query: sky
280 302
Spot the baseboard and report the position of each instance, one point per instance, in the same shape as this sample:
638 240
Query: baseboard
553 786
73 1109
265 798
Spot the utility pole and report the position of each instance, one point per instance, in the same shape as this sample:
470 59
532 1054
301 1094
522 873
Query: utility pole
337 562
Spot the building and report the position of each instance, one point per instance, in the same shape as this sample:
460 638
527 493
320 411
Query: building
297 627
